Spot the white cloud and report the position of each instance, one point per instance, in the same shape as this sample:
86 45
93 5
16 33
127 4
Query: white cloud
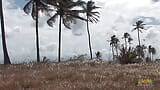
116 18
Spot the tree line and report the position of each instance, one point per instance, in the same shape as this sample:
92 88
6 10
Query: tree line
125 53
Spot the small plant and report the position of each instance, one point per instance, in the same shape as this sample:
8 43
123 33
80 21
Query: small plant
45 59
98 55
127 55
80 57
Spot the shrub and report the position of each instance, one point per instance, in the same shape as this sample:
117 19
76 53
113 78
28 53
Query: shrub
127 55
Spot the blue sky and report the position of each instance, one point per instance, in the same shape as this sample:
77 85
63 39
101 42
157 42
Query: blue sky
117 17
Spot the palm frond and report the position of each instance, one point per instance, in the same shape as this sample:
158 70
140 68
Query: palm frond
52 20
28 7
68 20
133 29
34 11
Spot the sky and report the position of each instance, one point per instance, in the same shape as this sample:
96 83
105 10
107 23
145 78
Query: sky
117 17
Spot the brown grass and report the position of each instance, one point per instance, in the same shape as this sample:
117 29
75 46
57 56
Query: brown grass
78 76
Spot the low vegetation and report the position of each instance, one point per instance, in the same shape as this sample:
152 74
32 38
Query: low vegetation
78 75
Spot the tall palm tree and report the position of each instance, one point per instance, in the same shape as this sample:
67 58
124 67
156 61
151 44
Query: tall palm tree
33 7
93 17
5 52
67 15
126 36
139 26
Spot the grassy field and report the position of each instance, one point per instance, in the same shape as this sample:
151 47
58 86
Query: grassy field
78 75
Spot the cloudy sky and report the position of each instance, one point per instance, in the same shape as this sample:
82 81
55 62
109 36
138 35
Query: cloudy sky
117 17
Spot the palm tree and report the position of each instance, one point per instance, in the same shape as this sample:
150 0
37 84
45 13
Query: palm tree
5 52
130 39
92 16
114 44
139 26
34 6
126 36
151 51
67 15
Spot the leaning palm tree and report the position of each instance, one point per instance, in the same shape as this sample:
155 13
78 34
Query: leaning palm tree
5 52
33 7
139 26
93 17
67 15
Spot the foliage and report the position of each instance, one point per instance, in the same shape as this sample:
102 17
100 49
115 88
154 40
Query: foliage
79 57
141 50
127 55
65 9
114 43
98 55
92 16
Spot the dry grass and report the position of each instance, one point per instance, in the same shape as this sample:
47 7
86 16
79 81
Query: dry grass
78 76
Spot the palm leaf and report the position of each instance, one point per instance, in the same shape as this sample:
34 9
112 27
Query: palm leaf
28 7
34 11
52 20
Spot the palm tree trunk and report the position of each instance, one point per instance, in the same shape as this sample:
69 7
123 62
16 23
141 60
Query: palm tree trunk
112 52
89 39
59 48
151 56
139 43
139 39
37 34
125 43
5 52
116 50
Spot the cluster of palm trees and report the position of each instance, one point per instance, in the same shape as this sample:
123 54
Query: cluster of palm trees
64 10
114 43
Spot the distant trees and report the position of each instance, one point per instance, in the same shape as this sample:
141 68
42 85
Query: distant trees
5 52
93 17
